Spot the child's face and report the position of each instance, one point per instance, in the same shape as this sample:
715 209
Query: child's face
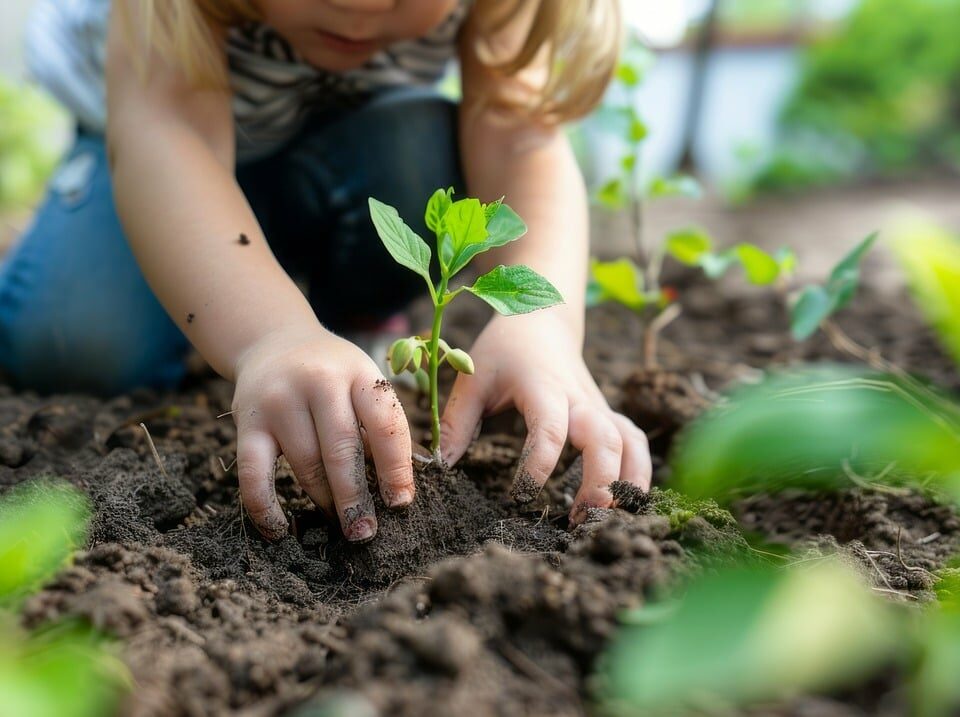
339 35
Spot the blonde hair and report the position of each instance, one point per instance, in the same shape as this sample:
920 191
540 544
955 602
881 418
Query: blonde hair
567 57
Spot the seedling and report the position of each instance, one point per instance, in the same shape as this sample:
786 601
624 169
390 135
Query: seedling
464 229
637 284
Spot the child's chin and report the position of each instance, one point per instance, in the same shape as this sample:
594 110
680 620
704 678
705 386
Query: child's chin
333 62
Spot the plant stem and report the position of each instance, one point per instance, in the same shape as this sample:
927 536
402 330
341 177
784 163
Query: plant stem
434 369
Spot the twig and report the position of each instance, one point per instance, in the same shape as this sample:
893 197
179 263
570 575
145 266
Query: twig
228 413
226 468
909 596
153 448
916 568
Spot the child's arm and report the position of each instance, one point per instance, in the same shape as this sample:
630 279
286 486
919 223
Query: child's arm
535 362
300 390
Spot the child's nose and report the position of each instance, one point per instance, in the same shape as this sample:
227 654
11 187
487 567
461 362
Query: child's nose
365 5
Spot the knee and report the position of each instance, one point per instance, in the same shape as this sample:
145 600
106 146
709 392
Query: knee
44 354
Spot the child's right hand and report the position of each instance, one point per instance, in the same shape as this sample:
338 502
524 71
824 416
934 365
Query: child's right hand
305 393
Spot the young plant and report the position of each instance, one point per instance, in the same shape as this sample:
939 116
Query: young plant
464 229
637 284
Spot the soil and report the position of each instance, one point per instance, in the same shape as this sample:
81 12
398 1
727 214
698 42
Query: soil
479 599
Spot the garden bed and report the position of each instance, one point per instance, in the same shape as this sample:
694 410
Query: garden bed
466 603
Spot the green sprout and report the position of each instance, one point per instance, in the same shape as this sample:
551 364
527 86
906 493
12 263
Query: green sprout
464 229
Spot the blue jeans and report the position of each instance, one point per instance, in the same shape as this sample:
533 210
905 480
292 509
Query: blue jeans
77 315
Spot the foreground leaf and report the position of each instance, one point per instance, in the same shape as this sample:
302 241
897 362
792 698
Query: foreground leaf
750 634
41 525
512 290
437 208
930 257
805 429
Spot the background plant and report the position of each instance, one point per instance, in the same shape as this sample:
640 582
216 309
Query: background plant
60 670
877 97
464 229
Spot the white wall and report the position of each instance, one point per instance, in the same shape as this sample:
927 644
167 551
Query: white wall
13 16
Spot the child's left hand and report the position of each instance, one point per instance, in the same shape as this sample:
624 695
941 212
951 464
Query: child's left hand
534 362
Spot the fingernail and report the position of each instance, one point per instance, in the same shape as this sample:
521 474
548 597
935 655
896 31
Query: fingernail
401 498
525 489
361 530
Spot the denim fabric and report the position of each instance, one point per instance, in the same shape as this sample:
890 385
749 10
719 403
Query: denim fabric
77 314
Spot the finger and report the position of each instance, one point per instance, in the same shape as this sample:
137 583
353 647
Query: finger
346 466
297 436
594 433
388 435
635 466
257 454
461 416
547 417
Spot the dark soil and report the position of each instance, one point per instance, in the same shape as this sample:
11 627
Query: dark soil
473 601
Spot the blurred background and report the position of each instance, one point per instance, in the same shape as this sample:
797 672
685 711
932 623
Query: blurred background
808 119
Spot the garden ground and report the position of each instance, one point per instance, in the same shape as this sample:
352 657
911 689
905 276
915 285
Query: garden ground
467 603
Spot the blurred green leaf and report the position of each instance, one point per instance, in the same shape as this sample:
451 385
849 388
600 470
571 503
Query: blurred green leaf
845 277
787 259
63 671
817 303
40 526
930 256
716 265
679 186
612 195
761 268
688 246
802 428
620 281
750 634
629 74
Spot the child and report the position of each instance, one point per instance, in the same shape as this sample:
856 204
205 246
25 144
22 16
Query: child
233 123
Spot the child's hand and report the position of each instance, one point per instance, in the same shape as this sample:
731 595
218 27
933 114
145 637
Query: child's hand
534 362
306 393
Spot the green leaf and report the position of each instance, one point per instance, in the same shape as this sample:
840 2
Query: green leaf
437 208
490 210
679 186
40 527
620 281
798 428
405 246
813 306
716 265
512 290
503 227
466 223
751 634
629 74
845 276
688 245
787 259
930 257
612 195
638 130
761 268
628 162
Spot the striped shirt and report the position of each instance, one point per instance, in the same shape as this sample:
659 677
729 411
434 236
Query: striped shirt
274 90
